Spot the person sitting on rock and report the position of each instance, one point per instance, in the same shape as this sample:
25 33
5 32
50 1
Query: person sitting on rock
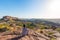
24 30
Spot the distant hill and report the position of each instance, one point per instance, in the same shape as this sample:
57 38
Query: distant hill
54 20
15 20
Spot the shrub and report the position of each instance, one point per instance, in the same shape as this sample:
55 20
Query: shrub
42 27
57 29
50 33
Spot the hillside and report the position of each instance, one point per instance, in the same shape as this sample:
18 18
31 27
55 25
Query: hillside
39 29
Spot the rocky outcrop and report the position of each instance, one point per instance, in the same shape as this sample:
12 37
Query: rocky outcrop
9 18
32 35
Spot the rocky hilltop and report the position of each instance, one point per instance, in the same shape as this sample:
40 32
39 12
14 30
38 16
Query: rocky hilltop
6 18
11 29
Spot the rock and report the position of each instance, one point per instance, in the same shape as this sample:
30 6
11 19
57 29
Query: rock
57 34
32 35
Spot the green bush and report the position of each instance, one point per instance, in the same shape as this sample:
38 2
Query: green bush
50 33
57 29
53 39
42 27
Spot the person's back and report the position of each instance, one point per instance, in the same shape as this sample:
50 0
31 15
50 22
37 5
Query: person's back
24 30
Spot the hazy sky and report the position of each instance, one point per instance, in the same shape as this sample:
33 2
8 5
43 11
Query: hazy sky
30 8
